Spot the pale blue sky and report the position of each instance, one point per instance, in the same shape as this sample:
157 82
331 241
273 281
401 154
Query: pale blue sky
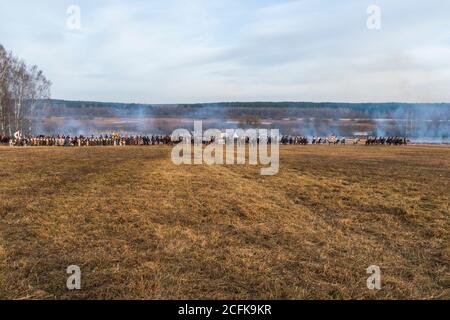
208 50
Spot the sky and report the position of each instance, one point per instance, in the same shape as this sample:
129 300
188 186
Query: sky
187 51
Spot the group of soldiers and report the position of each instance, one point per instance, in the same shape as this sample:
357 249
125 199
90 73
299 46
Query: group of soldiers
396 141
332 140
82 141
294 140
115 140
141 140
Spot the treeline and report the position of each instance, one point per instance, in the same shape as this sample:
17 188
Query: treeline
240 110
21 86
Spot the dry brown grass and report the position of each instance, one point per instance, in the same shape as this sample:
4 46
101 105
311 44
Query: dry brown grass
141 228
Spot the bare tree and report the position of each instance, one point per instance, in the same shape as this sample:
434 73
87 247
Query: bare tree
4 89
20 87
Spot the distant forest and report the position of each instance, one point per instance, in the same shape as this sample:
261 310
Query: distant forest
239 110
419 121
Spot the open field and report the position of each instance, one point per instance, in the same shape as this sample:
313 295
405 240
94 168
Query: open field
142 228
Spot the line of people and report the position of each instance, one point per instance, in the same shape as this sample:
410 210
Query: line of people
293 140
115 140
329 141
82 141
145 140
396 141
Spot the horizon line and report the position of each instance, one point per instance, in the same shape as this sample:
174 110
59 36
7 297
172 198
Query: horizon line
253 101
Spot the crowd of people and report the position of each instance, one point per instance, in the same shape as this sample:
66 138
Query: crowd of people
146 140
331 140
294 140
386 141
82 141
